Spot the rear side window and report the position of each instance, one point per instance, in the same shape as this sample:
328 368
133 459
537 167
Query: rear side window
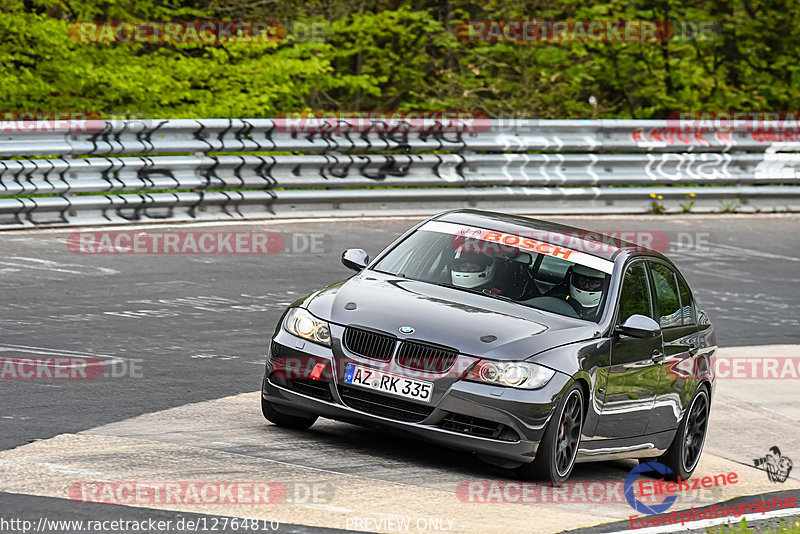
667 296
635 296
687 306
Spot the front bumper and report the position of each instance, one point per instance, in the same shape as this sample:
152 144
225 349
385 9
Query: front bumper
458 411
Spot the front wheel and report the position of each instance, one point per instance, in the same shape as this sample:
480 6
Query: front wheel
286 421
558 449
683 454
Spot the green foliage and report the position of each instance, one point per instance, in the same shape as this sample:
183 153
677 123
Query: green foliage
688 204
729 206
380 55
790 526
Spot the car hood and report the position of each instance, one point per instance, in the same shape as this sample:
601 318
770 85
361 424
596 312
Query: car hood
446 316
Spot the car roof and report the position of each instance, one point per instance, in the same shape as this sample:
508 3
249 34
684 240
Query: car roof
517 224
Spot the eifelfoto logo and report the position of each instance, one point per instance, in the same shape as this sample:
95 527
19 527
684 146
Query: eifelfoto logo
647 468
777 466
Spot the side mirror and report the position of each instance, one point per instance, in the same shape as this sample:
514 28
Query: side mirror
355 258
640 326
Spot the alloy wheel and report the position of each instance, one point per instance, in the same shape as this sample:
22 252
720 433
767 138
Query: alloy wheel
569 433
695 432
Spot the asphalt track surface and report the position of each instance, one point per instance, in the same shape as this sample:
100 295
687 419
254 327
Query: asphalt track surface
194 328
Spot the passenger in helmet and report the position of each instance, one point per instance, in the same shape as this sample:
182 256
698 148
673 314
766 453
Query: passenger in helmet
586 290
583 288
473 270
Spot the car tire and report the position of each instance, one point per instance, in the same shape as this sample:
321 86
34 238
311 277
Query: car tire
684 453
558 448
284 420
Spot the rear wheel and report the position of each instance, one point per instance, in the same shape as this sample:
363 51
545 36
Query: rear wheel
287 421
558 449
683 454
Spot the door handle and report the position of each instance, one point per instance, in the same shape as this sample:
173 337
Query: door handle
658 356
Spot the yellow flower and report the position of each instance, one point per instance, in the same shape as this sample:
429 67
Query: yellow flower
660 197
692 194
652 195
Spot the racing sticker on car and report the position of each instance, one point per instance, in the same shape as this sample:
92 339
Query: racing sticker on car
521 242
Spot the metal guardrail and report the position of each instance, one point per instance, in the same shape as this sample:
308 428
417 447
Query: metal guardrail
93 175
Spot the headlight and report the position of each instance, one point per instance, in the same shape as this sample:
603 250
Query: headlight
301 323
521 375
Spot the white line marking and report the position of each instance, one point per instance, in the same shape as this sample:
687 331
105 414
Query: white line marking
49 265
737 251
26 267
328 507
58 468
52 351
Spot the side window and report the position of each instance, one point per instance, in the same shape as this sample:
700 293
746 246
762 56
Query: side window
666 295
687 306
635 295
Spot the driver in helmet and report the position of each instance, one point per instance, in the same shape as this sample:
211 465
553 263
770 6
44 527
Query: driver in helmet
586 291
473 270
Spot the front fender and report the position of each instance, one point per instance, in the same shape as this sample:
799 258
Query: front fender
584 362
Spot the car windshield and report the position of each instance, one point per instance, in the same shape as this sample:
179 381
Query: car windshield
529 278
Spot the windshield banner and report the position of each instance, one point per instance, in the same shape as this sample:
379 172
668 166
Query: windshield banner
521 242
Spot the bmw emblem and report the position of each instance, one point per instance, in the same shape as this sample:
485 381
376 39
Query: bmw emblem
406 330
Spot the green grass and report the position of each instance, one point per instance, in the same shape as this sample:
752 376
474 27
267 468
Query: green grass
787 526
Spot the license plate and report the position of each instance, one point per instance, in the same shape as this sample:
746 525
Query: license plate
386 383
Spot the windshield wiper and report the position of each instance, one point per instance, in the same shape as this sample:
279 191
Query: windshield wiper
484 292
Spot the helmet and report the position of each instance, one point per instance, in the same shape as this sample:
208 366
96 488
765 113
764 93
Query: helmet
586 286
472 270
